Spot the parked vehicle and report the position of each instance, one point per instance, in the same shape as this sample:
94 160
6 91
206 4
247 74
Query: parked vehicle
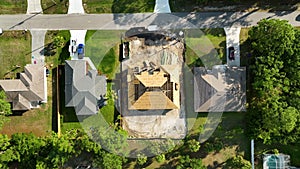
231 53
80 51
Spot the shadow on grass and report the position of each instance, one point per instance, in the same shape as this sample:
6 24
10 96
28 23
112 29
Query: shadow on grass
196 5
64 54
68 113
54 101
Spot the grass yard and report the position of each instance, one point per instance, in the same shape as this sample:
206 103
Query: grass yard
228 139
108 110
116 6
204 45
15 48
36 121
96 6
59 55
13 6
250 5
59 7
102 48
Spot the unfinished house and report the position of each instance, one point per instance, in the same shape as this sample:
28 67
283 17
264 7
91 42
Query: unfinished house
222 89
151 84
28 91
84 88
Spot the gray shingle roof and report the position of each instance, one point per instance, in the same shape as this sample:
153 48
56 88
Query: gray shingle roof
29 88
217 91
83 88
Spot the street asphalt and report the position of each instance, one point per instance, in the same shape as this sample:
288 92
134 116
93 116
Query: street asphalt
126 21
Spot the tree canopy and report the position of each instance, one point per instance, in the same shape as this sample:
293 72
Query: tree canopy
274 105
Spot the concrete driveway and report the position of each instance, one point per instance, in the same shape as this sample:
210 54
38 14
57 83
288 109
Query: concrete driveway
34 6
79 37
162 6
75 7
37 46
233 39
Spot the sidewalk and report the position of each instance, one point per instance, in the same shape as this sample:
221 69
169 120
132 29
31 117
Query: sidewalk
75 7
34 6
162 6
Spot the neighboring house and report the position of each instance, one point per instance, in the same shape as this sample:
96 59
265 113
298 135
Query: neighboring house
83 88
221 89
28 91
276 161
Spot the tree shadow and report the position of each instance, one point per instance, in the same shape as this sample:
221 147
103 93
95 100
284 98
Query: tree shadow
54 101
68 113
48 50
213 5
132 6
64 55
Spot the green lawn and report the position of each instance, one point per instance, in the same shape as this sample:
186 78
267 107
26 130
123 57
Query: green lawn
59 55
38 121
59 7
204 44
102 48
15 49
116 6
198 5
13 6
108 111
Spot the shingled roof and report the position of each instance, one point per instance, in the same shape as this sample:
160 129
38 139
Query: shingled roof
83 87
219 90
29 88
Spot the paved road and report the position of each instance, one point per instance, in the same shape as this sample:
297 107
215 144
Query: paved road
125 21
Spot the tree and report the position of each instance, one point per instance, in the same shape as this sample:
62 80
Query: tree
109 161
187 162
5 109
237 162
141 159
193 145
58 41
160 158
273 114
